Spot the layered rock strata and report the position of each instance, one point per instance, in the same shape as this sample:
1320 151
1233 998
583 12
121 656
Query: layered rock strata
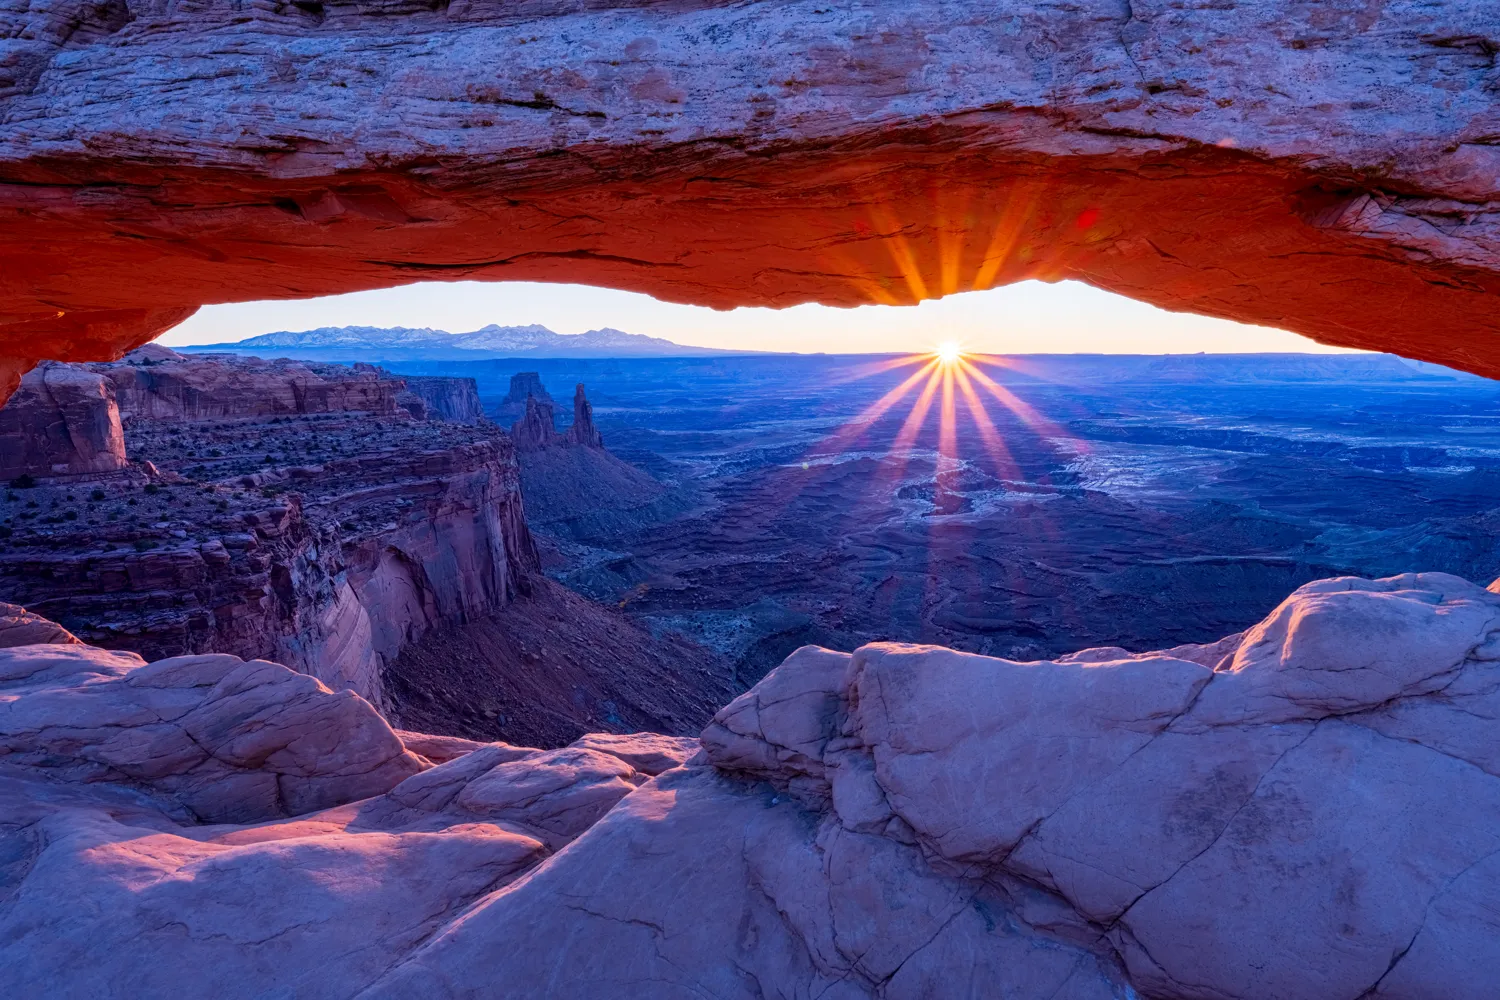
275 510
454 399
535 430
156 383
1308 810
582 432
1330 168
522 385
19 627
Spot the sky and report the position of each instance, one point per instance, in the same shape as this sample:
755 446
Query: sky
1029 317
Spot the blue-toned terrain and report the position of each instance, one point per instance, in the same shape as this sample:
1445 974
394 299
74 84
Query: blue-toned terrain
1138 501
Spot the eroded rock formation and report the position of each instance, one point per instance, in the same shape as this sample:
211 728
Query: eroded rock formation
19 627
276 509
64 421
522 385
537 430
1308 810
583 433
1326 167
156 383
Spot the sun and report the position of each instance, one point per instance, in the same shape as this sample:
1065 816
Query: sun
948 352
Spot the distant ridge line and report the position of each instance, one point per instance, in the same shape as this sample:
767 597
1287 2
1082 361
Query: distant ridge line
492 341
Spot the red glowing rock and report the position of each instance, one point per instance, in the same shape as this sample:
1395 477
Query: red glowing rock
1331 170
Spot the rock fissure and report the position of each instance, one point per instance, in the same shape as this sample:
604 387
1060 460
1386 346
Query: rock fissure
1125 913
1426 912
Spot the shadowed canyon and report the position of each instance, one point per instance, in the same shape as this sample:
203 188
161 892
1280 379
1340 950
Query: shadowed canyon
647 678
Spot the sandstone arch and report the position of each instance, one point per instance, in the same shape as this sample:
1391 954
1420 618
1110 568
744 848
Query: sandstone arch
1329 166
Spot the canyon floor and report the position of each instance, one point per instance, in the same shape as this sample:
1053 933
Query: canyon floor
1132 501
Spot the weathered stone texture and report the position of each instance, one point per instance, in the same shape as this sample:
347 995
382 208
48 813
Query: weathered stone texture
1317 816
64 421
1330 167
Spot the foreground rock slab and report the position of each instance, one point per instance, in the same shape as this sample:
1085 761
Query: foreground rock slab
217 737
1326 167
1308 810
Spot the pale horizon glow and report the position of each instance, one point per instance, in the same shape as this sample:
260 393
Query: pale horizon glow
1029 317
949 351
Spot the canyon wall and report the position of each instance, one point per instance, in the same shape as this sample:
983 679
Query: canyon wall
1330 168
62 421
455 399
217 545
155 383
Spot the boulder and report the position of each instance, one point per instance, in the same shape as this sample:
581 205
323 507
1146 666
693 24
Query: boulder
213 737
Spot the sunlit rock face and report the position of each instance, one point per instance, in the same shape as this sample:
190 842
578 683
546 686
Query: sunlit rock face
1328 167
19 627
1308 810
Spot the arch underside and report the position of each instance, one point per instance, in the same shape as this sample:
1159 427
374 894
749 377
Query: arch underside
1328 171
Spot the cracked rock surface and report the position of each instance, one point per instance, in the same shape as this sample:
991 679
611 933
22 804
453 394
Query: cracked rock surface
1308 810
1327 166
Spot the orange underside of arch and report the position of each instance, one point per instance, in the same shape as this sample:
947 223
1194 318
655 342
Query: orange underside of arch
92 265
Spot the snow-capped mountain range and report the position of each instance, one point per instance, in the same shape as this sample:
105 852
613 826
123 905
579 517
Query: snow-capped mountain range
343 343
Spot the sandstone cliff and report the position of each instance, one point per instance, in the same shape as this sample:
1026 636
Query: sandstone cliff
1309 810
279 510
164 385
64 421
574 488
522 384
583 433
537 430
455 399
19 627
